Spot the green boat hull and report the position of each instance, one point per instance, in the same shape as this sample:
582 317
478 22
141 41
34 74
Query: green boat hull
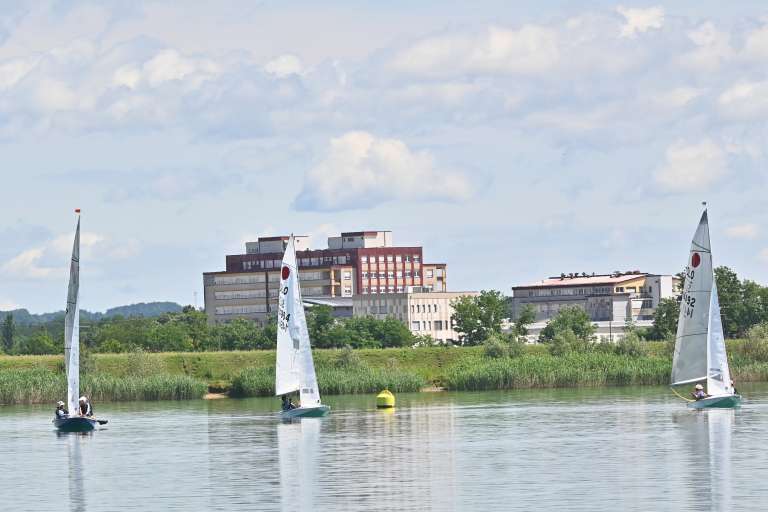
717 402
306 412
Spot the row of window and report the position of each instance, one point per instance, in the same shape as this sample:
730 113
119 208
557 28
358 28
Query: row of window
392 258
303 262
392 274
383 289
427 325
241 310
420 308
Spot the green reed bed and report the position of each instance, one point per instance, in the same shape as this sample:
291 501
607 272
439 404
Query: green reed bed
573 370
332 381
40 385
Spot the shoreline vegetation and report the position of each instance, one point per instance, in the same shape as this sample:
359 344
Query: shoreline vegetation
185 375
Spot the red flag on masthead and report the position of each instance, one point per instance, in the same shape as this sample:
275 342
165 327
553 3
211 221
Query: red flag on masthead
77 210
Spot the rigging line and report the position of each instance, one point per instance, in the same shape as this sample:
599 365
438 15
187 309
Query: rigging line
681 396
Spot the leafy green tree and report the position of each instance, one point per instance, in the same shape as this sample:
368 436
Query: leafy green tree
320 320
8 332
665 319
169 337
476 318
729 292
525 317
572 319
39 343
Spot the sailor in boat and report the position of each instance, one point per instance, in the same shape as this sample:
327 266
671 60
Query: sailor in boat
85 407
699 393
733 387
61 412
287 403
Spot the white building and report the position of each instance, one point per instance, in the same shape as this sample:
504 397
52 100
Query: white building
423 312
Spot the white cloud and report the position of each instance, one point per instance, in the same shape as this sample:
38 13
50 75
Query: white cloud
756 44
532 49
6 305
640 20
284 65
27 264
713 47
677 98
743 231
691 167
362 171
745 101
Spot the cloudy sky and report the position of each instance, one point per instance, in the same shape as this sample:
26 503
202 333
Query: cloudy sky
513 141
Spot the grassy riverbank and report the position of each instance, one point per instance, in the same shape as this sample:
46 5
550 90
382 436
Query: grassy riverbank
158 376
41 385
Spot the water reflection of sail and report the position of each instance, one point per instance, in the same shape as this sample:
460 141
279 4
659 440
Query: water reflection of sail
708 440
297 445
76 486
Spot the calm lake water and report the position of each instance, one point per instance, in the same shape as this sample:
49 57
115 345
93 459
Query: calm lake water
606 449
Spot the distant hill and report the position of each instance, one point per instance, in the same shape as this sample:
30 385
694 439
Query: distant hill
148 309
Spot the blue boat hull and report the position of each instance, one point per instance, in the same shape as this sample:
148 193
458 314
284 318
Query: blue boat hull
306 412
76 424
717 402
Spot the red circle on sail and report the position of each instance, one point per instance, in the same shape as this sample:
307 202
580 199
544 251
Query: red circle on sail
696 260
286 272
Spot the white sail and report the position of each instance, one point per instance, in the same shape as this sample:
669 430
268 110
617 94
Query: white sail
700 345
295 369
72 327
719 375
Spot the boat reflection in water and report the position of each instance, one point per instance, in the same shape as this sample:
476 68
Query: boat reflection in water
707 439
75 458
298 443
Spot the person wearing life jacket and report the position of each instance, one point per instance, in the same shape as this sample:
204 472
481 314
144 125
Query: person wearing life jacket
287 403
61 412
85 407
699 393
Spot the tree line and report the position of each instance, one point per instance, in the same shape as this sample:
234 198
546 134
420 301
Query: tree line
189 331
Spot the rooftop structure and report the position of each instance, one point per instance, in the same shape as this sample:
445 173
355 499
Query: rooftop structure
615 297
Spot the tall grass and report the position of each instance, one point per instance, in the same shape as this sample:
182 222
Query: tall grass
331 380
571 370
40 385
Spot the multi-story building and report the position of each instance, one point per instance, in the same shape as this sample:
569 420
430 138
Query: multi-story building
610 299
362 262
424 312
613 297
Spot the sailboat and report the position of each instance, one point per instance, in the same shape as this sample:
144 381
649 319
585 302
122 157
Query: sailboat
294 368
72 346
700 356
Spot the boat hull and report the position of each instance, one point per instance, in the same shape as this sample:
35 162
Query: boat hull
76 424
717 402
306 412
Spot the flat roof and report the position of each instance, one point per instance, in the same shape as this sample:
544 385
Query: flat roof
582 281
364 233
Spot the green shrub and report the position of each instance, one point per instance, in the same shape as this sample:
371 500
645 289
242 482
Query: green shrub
631 345
755 347
332 380
495 348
